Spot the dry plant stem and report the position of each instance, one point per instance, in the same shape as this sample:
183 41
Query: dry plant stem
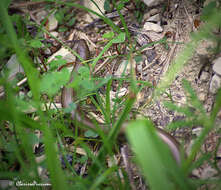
83 169
24 7
150 65
126 160
2 93
25 4
101 65
190 19
170 56
78 150
84 36
108 15
34 19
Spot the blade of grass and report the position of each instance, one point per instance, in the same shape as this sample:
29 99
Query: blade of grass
94 169
30 71
97 7
184 110
208 123
60 41
23 147
57 176
108 108
68 165
116 128
103 177
204 120
121 80
106 47
144 144
216 107
99 105
154 157
57 179
90 154
111 139
123 21
193 97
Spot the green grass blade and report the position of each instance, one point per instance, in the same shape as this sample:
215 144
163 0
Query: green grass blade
144 144
123 22
116 128
57 176
217 106
154 157
106 47
30 71
108 107
103 177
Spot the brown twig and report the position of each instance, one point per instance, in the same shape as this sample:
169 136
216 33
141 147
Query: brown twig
126 161
25 4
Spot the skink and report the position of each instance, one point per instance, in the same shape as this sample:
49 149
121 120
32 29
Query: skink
68 96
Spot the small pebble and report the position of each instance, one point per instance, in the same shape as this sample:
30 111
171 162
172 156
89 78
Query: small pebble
150 3
217 66
154 18
204 76
215 84
139 68
202 96
122 70
152 27
52 23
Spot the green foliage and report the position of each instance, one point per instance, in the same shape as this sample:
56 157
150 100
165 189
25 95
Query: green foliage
6 3
17 129
108 35
90 134
118 39
107 6
21 122
56 63
35 43
120 5
208 11
71 22
115 40
65 17
84 84
150 150
59 15
52 82
140 8
154 157
6 49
